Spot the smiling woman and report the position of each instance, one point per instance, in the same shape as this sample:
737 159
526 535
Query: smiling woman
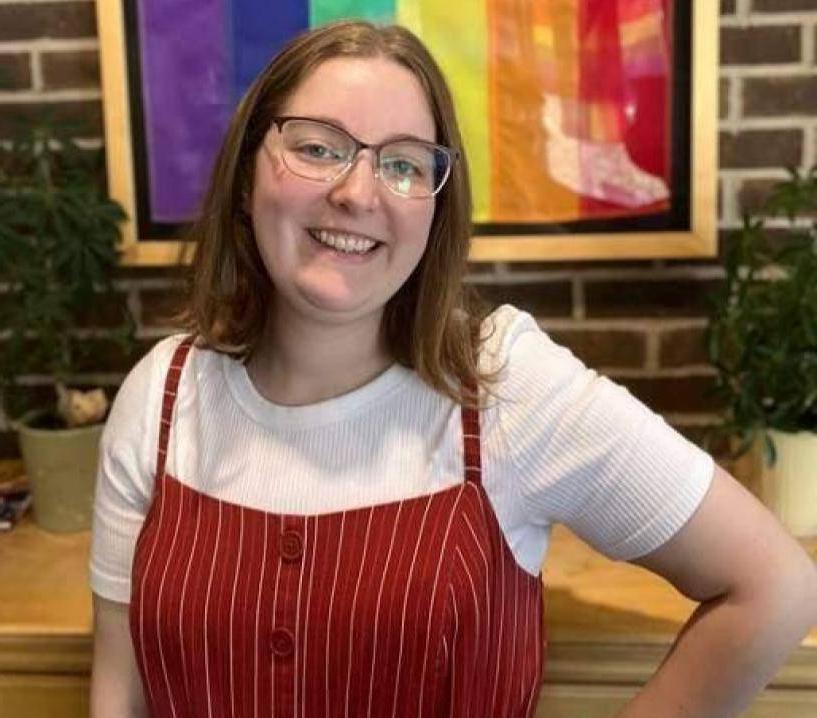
334 494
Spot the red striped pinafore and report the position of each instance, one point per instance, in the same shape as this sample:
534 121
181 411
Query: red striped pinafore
411 608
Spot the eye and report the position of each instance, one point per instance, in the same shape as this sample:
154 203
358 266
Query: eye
398 167
318 151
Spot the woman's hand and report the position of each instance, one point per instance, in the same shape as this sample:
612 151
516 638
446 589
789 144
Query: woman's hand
757 590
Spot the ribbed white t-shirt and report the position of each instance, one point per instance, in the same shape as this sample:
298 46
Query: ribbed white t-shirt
563 444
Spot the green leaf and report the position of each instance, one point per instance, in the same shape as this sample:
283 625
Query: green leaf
762 334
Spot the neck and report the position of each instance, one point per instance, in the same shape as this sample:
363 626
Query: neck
300 362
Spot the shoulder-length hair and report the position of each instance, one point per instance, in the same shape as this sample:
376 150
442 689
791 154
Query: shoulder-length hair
431 325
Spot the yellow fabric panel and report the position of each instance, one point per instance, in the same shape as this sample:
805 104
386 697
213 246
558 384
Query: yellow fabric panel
455 32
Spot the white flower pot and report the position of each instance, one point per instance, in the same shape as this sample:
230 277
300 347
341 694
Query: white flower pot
61 468
789 487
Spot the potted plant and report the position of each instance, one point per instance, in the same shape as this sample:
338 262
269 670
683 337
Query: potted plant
59 235
762 340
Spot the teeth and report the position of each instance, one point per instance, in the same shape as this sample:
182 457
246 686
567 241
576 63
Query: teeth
343 242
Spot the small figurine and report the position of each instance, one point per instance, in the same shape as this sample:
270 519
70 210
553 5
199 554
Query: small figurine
80 408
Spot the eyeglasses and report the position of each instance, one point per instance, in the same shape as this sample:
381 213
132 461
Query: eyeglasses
315 150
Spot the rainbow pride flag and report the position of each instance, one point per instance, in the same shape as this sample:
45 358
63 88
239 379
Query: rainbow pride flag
501 57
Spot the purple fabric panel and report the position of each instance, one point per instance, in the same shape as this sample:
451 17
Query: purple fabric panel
260 29
185 86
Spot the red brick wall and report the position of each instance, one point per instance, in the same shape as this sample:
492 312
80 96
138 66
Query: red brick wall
639 322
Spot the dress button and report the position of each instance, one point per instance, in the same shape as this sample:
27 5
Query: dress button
281 642
292 546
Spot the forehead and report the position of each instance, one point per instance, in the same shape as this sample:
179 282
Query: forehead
373 98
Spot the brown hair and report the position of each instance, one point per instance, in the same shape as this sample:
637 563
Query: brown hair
432 323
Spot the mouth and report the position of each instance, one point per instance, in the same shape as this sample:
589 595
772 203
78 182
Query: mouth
345 243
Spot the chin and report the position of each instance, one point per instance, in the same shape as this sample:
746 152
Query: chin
321 306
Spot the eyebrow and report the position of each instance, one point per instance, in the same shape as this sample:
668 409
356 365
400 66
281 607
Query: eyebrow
390 138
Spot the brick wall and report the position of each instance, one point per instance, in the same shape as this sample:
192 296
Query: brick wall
639 322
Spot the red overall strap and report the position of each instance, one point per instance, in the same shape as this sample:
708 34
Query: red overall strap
470 444
174 374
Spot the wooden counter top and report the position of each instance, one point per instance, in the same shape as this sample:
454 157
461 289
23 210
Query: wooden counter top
44 582
609 626
589 599
614 622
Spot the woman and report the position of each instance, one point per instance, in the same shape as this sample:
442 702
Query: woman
310 511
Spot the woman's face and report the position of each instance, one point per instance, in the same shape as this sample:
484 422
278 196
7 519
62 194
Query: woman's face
374 99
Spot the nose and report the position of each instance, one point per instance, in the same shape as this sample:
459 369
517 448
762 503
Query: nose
358 188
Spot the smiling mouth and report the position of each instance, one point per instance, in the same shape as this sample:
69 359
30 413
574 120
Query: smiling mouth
344 242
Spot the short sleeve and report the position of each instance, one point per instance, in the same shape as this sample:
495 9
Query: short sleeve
125 474
588 454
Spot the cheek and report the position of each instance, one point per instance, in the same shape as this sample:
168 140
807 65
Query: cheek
417 225
270 192
278 204
273 185
271 211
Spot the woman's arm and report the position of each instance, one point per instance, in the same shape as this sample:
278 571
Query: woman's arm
116 687
758 594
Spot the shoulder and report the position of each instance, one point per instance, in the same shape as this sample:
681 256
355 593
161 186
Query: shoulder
147 375
500 331
521 351
131 424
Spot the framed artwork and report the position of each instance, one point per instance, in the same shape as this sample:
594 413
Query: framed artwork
590 126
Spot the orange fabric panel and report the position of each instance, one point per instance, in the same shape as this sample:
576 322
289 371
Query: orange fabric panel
521 190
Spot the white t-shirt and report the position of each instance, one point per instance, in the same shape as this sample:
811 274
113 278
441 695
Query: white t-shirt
562 445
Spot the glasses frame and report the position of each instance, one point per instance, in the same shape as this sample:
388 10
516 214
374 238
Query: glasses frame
452 154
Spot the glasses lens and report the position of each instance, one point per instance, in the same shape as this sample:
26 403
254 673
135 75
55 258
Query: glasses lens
414 169
315 150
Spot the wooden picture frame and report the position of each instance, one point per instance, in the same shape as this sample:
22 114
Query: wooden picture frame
694 233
